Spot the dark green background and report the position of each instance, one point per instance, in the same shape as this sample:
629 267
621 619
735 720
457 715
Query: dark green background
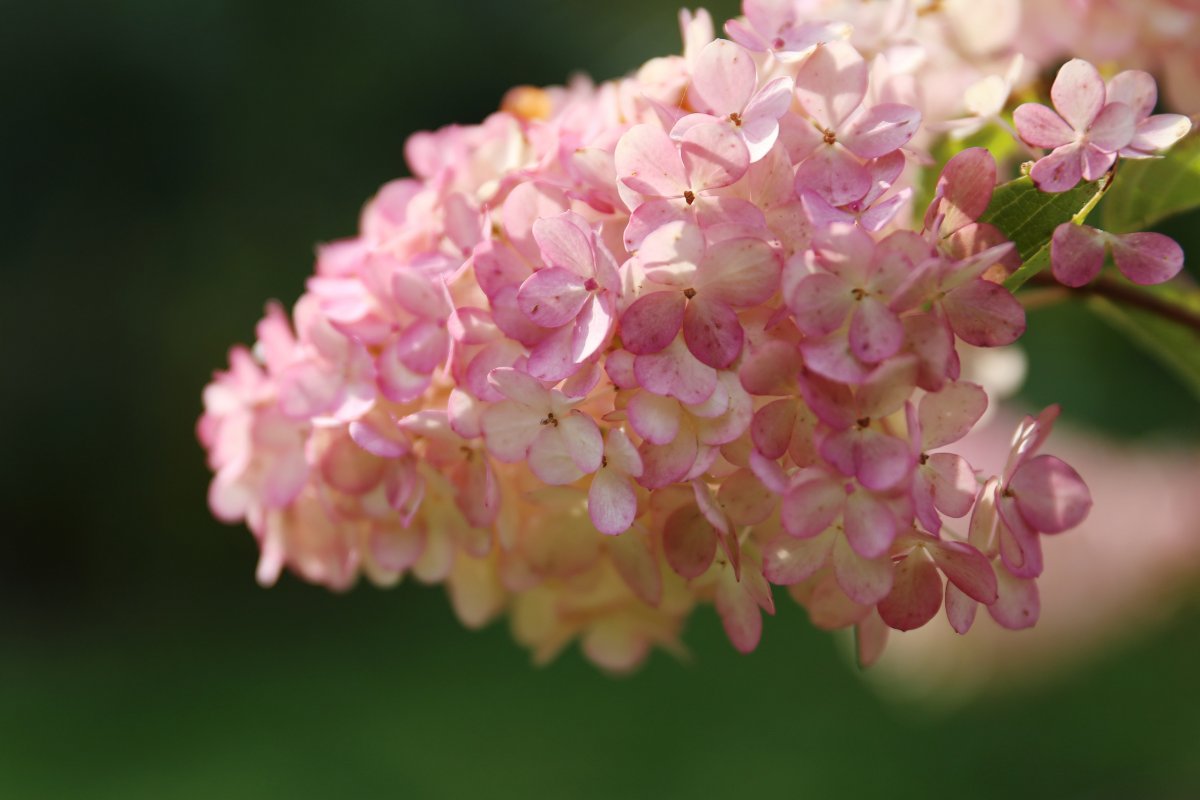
167 166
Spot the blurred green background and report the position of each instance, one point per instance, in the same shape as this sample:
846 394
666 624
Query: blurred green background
168 166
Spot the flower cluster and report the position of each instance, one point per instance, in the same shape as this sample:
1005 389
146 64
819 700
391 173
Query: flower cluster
673 339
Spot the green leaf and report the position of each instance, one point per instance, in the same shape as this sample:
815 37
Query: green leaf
1175 344
1028 218
1144 193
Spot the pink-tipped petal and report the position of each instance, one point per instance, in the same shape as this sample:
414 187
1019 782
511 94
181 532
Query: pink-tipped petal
713 156
654 417
984 314
742 271
1136 89
740 615
1076 253
667 463
648 162
953 484
1078 93
632 553
552 297
960 609
723 78
870 525
564 242
788 561
831 83
811 507
675 372
1041 127
881 130
612 502
651 323
835 175
689 542
916 595
1113 128
1050 494
948 415
876 332
712 332
1147 258
966 568
1059 171
551 460
1158 133
864 580
1018 605
820 303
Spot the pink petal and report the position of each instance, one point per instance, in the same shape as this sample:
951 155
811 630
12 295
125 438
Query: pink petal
593 328
1158 133
864 580
984 314
621 454
1095 163
583 440
881 461
1076 253
831 83
1113 129
712 332
1059 171
713 156
648 162
881 130
552 297
518 386
745 498
811 507
1020 546
1078 93
876 332
612 502
870 638
960 609
550 460
1050 494
668 463
396 381
552 359
1041 127
1135 89
564 242
948 415
741 271
760 121
916 595
723 78
953 484
771 429
739 613
1147 258
831 357
966 185
654 417
788 561
967 569
528 202
820 303
888 387
1018 606
689 542
509 429
650 324
675 372
870 525
833 174
632 554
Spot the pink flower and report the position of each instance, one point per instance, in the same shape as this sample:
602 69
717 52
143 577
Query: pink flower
1088 135
561 443
725 89
1077 255
780 27
1152 134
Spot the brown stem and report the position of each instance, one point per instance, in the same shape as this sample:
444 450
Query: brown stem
1127 295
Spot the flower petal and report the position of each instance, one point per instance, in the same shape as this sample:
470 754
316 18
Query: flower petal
648 162
1041 127
712 332
723 78
552 296
916 594
1076 253
650 324
612 502
1078 93
1050 494
1147 258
